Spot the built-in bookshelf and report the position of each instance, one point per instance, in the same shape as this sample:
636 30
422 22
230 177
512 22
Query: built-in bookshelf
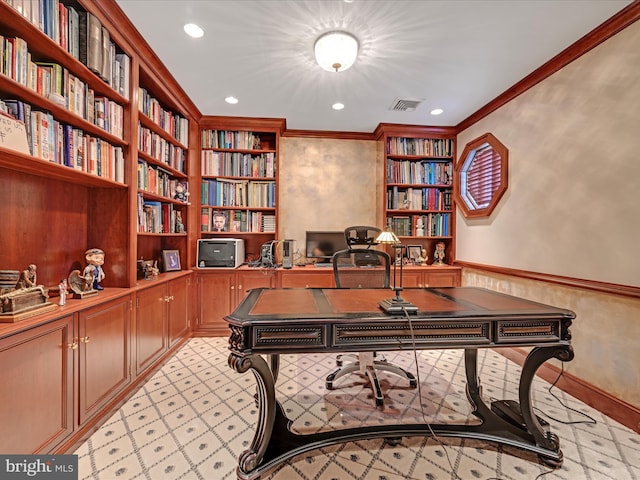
73 117
92 160
163 187
418 185
239 171
65 189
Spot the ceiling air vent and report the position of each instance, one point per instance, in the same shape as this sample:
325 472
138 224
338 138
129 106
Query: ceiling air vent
405 104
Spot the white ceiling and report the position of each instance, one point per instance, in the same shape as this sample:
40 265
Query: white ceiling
457 54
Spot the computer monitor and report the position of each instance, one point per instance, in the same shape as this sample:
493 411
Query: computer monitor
322 245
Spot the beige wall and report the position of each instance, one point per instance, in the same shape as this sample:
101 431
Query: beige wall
604 334
326 184
572 206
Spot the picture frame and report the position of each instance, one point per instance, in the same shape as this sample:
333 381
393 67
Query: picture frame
171 260
413 253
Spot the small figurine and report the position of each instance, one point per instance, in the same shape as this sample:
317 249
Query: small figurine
423 257
256 143
27 278
182 193
420 227
62 288
93 272
178 222
438 255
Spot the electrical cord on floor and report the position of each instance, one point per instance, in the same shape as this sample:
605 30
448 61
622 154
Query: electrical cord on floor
422 412
590 420
424 417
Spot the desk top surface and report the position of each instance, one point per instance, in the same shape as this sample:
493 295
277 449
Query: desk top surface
330 303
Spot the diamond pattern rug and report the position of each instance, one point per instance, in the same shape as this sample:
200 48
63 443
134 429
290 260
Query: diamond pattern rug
193 418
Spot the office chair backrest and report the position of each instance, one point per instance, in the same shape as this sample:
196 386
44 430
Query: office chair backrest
361 268
361 235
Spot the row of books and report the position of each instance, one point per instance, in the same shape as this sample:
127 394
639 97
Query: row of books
236 164
162 150
66 145
57 84
429 225
427 198
427 147
154 179
175 125
82 35
238 193
230 139
424 172
158 217
212 220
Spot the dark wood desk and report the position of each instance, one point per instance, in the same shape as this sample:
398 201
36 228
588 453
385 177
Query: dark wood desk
276 321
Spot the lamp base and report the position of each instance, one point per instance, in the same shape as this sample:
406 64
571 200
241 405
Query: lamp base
397 306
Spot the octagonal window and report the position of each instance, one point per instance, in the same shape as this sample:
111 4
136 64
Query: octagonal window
481 174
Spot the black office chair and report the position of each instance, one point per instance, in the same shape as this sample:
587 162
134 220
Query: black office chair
364 268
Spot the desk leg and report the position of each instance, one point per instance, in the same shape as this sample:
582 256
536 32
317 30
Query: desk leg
474 390
534 360
274 361
251 458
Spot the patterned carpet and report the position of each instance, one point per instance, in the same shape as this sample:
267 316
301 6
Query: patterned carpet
194 417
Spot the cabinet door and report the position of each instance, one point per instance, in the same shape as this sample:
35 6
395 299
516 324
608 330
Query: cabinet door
294 279
103 354
246 280
178 309
216 298
442 279
36 397
151 325
409 278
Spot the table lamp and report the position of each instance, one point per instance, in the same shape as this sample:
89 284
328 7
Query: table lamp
396 305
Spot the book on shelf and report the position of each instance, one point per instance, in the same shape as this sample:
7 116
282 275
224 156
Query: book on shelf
90 41
105 67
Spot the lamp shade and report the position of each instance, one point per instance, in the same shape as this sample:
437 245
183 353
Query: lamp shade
336 51
387 237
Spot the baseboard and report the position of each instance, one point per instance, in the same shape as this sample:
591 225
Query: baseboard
613 407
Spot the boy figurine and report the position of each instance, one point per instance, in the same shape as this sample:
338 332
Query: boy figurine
93 272
438 255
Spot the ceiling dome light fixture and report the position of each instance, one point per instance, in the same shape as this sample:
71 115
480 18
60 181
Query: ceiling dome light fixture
437 111
336 51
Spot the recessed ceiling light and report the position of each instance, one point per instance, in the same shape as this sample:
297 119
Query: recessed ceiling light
231 100
437 111
193 30
337 106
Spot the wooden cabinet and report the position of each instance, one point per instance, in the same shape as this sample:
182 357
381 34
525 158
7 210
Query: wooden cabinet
418 185
321 277
221 290
150 326
446 276
103 343
216 298
256 278
162 319
36 398
178 309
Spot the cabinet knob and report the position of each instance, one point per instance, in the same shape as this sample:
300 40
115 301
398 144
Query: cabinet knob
72 346
232 287
85 339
